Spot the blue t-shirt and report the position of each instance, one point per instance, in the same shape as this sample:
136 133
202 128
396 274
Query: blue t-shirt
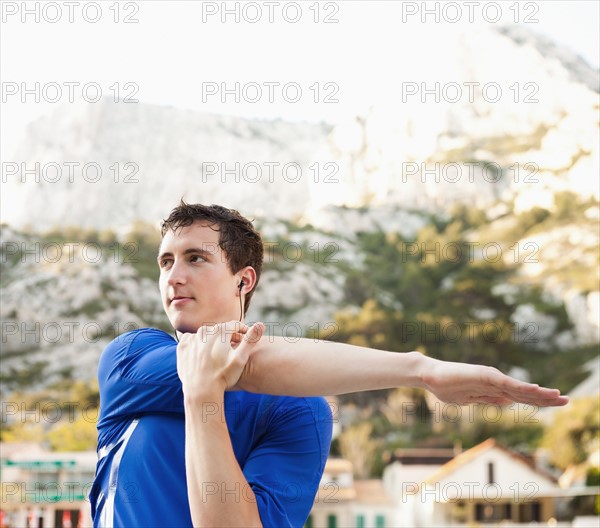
281 443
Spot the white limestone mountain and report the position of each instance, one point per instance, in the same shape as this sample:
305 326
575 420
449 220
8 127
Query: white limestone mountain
533 112
518 109
161 154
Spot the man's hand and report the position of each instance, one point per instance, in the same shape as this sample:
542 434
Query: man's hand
463 383
213 359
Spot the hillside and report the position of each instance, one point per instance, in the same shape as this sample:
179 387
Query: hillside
496 282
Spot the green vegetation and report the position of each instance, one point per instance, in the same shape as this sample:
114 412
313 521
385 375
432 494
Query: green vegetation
63 416
137 248
576 430
431 294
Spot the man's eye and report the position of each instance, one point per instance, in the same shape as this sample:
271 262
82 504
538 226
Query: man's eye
164 263
197 258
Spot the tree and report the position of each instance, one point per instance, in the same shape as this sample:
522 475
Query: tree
358 446
79 435
576 430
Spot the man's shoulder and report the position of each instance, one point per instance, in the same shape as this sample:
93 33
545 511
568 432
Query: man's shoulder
143 334
320 408
139 337
145 356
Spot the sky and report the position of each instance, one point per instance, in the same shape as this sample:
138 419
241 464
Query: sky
326 55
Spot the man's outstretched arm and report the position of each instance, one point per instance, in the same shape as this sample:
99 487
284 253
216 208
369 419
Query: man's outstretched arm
316 368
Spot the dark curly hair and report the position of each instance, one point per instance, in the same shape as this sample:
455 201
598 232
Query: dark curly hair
241 242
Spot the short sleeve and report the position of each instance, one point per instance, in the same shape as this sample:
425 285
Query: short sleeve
285 465
137 373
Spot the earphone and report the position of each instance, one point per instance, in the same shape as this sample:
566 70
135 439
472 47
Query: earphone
240 288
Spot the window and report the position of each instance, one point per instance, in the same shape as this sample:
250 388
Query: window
331 521
491 473
530 512
360 521
488 513
380 521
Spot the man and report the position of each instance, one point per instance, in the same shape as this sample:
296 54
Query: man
188 434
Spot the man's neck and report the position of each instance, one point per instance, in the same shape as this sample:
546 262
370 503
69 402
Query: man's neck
178 334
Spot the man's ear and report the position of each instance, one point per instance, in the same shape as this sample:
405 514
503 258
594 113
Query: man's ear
248 278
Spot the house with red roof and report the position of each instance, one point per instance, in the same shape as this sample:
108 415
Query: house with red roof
486 484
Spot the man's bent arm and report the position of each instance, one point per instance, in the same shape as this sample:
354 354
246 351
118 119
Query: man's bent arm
207 366
308 367
218 492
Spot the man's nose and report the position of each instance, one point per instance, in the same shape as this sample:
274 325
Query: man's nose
177 274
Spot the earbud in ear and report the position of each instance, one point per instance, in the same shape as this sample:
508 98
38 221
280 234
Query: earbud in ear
241 284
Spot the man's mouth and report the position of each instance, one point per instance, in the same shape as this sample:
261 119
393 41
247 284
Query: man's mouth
180 300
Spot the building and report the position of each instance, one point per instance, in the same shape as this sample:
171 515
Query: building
424 488
342 501
45 489
486 484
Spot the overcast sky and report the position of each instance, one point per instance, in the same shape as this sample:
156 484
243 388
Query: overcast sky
169 51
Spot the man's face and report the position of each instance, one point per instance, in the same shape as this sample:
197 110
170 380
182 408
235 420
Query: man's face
196 284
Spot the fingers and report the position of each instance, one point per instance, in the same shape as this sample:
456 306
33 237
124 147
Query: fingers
523 392
237 338
540 396
559 401
255 333
240 336
230 332
228 327
252 337
507 399
240 354
507 383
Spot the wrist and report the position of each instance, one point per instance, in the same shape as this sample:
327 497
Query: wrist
422 369
204 396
